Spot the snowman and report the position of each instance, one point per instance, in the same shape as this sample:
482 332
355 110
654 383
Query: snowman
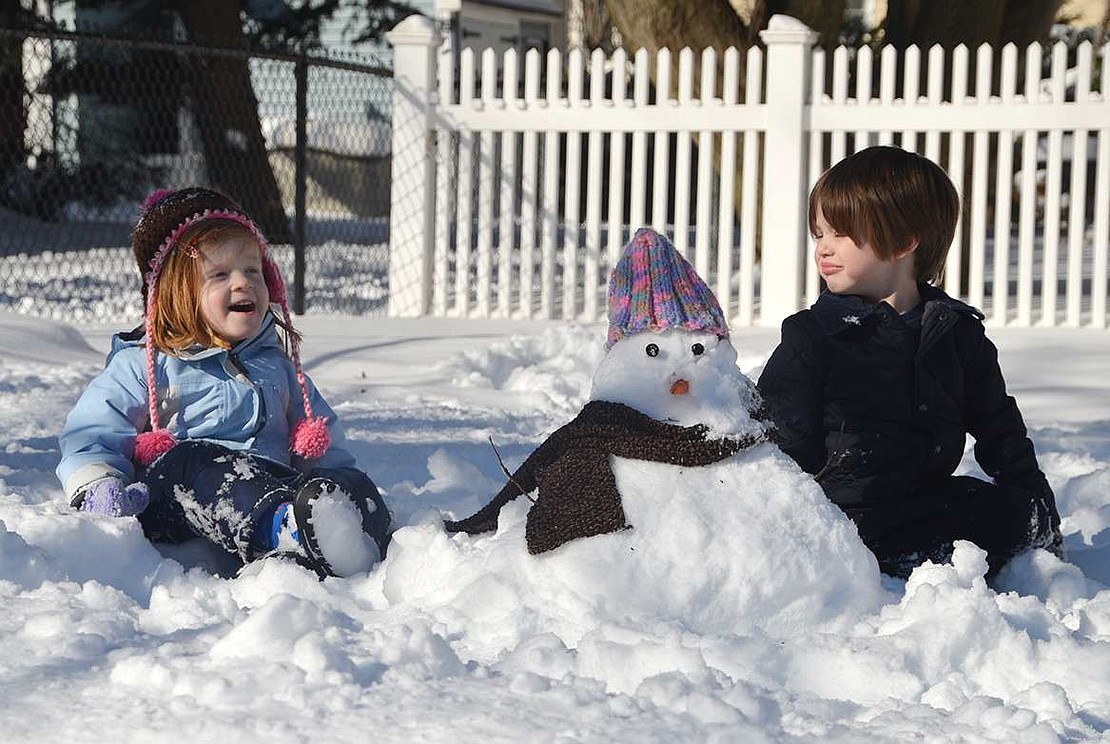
667 391
664 499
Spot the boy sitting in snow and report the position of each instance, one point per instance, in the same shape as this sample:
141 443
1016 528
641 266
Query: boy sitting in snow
874 388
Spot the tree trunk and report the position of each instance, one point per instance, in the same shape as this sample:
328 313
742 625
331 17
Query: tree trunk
947 22
597 26
826 17
13 117
675 24
654 24
970 22
227 116
1026 21
698 24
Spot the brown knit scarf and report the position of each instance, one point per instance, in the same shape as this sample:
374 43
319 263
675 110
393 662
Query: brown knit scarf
577 492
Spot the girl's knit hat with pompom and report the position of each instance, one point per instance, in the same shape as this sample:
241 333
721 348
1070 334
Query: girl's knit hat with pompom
165 217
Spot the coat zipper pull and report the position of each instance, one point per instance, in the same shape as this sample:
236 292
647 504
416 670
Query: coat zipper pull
234 359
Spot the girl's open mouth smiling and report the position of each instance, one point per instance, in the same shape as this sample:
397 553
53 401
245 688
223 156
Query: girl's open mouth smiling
241 307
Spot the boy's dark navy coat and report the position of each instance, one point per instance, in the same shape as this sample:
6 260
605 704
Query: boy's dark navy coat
878 408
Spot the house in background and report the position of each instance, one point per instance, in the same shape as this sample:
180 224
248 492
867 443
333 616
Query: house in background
504 24
497 24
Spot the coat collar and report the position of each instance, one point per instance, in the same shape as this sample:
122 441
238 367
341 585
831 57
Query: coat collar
840 313
267 336
844 313
941 313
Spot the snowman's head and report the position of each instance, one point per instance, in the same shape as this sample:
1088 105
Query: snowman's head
668 353
680 377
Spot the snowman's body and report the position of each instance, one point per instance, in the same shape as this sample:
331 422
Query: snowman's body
749 543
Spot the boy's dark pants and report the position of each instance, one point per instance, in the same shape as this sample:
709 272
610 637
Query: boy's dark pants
200 489
1001 521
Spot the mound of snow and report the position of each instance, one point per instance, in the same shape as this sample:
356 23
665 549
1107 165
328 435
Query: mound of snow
36 340
550 369
746 546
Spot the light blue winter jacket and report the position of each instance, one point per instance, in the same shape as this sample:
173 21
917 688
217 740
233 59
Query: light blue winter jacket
244 399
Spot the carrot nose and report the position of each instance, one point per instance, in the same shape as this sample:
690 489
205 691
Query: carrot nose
680 387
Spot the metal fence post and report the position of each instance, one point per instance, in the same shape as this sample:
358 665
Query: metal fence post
301 178
785 184
412 197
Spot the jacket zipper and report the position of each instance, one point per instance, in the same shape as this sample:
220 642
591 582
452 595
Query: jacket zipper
235 362
234 359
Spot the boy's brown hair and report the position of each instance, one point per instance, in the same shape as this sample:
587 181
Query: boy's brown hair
888 198
177 321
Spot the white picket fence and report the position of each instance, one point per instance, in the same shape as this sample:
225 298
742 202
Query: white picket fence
513 193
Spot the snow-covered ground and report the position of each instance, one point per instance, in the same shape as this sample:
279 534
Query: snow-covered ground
459 639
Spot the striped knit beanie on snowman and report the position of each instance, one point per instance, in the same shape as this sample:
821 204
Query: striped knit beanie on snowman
165 217
653 288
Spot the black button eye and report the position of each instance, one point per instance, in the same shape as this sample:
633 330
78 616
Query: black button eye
698 349
652 350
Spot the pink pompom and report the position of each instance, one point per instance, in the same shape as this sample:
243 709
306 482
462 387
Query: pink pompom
150 445
311 438
156 196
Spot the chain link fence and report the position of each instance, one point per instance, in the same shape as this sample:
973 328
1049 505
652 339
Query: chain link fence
301 141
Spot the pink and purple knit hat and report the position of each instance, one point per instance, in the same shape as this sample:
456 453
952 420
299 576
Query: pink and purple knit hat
165 217
653 288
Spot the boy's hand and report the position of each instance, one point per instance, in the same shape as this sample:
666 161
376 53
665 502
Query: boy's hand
1045 520
110 496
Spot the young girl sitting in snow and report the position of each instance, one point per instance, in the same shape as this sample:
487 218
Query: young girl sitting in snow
201 423
874 388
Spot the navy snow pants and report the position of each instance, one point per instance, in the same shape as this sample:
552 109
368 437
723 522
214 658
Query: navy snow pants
1001 521
200 489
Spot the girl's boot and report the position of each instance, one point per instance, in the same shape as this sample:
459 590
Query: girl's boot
324 529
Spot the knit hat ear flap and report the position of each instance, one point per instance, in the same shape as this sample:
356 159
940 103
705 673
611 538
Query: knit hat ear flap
653 288
274 283
166 216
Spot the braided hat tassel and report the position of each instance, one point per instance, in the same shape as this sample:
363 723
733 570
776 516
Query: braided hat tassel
310 438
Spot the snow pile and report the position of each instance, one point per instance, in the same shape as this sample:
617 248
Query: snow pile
362 138
548 371
746 546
